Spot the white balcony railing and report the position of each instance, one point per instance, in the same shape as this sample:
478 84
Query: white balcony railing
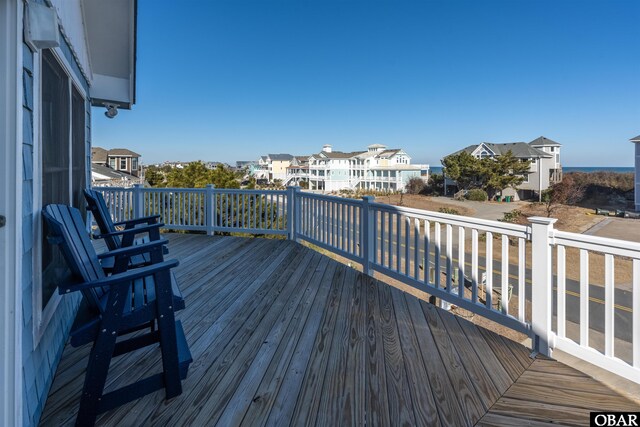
576 293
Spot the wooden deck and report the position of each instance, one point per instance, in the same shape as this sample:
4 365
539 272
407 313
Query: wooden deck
281 335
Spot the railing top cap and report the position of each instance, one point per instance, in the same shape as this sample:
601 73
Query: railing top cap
542 220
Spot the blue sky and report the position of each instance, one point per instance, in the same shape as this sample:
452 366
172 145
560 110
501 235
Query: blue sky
232 80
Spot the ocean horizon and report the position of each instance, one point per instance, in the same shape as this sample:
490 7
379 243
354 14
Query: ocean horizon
568 169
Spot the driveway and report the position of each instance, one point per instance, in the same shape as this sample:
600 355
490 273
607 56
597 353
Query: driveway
484 210
617 228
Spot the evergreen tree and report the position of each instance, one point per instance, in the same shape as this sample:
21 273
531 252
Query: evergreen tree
462 168
503 172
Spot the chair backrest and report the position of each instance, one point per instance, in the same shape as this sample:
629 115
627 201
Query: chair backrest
68 230
101 214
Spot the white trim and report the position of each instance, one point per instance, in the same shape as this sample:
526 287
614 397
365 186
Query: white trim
42 317
11 206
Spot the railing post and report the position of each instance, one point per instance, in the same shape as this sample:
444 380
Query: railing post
366 235
294 212
138 201
293 215
541 284
209 208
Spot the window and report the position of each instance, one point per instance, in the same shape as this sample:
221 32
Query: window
123 163
63 159
112 163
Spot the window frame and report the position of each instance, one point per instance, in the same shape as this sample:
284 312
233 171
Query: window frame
42 315
123 160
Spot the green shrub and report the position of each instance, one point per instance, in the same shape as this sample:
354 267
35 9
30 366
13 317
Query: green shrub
449 211
477 195
511 216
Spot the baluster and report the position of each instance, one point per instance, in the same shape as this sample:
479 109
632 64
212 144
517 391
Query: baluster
488 257
449 231
383 257
584 298
609 301
343 218
438 236
522 263
398 253
505 275
376 214
407 236
390 242
561 285
635 310
416 249
461 255
426 251
332 221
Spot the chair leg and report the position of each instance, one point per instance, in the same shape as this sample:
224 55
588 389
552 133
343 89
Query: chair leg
168 340
100 358
95 378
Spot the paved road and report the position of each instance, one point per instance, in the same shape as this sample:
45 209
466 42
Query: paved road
483 210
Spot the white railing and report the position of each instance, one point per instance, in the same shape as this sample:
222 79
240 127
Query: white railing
202 209
605 330
533 279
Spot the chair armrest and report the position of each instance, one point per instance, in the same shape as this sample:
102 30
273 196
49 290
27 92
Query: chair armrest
152 219
128 231
133 250
123 278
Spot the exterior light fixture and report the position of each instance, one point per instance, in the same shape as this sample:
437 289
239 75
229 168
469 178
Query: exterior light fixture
112 111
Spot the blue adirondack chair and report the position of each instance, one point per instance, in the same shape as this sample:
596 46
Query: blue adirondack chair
148 226
127 301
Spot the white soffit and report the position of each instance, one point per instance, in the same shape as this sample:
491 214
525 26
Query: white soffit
111 37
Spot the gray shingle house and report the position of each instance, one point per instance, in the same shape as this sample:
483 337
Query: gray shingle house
543 153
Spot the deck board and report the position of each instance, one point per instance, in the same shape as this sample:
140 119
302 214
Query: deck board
282 335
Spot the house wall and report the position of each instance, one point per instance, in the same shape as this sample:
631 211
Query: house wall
539 178
42 351
279 169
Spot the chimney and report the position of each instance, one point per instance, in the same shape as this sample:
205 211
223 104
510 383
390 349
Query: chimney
326 148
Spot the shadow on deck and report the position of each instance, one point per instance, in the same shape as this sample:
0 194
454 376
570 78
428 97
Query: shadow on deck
282 335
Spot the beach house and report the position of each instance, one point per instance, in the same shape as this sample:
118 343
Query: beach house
542 153
58 58
378 168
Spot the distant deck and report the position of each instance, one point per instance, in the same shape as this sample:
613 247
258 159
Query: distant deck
282 335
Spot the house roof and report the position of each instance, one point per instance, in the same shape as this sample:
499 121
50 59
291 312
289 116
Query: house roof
636 139
540 141
388 153
338 154
109 173
280 157
98 154
123 152
521 150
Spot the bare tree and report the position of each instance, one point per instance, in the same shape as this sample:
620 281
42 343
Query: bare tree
415 185
566 192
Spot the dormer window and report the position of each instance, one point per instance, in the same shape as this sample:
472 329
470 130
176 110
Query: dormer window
483 154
